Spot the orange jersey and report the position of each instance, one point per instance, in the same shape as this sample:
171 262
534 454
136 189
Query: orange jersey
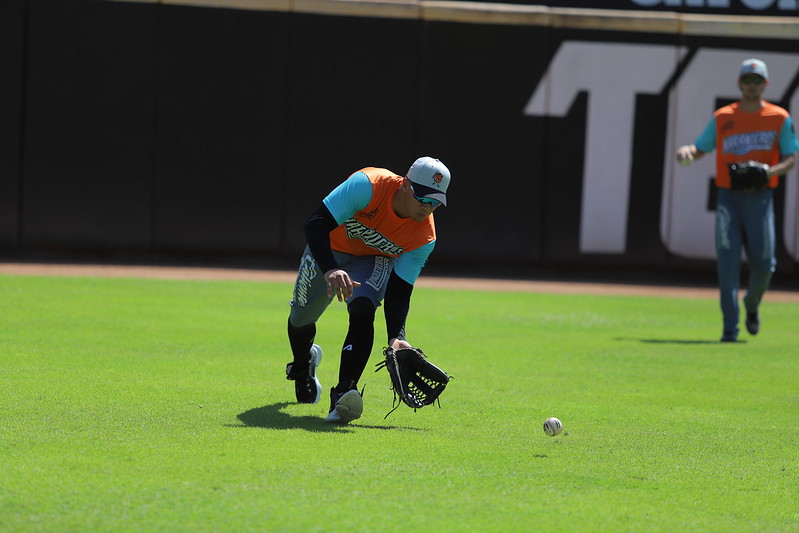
742 136
375 229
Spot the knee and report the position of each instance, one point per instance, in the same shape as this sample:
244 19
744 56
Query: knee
361 310
763 264
299 323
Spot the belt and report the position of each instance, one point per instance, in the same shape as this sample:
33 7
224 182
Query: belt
751 190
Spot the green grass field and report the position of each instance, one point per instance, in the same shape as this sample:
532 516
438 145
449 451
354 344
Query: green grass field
150 405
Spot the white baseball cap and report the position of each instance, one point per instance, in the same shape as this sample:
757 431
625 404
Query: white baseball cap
430 178
754 66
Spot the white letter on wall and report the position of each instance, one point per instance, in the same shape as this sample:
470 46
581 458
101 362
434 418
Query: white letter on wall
612 74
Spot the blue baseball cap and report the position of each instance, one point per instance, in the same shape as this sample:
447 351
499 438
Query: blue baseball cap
754 66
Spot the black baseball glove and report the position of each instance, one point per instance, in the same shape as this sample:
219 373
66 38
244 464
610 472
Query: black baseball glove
414 380
748 175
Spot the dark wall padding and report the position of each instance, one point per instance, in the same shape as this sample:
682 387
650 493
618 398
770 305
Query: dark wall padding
221 114
90 123
12 51
152 129
353 102
472 96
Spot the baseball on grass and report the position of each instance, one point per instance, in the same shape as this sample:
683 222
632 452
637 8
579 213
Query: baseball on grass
552 426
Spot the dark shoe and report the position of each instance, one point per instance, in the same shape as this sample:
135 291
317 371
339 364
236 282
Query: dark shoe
752 322
729 337
307 387
344 406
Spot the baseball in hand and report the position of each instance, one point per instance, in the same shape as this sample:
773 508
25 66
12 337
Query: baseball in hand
552 426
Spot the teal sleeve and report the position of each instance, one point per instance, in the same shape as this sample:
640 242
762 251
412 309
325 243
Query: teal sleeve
410 264
349 197
706 142
788 143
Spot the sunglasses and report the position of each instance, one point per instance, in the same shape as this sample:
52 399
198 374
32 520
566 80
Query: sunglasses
432 202
752 78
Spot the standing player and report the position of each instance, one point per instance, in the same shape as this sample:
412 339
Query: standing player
755 143
367 241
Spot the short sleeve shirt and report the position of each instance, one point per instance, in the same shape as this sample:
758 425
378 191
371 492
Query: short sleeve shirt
740 136
368 225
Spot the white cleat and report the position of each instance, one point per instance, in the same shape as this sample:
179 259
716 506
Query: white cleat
316 360
345 407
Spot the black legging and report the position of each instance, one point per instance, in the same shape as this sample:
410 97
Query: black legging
358 343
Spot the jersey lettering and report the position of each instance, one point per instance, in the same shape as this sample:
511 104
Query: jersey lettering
379 274
746 142
371 238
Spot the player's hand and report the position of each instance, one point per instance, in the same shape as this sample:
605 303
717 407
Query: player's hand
340 284
685 155
398 344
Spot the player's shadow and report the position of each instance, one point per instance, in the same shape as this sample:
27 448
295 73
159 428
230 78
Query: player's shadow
273 417
676 341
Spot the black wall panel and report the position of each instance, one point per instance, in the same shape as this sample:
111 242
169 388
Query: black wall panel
474 88
564 147
220 149
89 129
12 46
157 129
353 103
646 186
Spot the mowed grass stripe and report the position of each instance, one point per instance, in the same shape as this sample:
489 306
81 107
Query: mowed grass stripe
151 405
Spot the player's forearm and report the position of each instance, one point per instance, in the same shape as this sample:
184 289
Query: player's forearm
397 303
317 233
783 167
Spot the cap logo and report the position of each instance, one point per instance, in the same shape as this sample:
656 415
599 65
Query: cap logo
438 177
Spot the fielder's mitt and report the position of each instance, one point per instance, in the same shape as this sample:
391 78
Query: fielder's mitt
748 175
414 380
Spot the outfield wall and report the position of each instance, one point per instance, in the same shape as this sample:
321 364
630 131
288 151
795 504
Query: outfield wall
144 129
